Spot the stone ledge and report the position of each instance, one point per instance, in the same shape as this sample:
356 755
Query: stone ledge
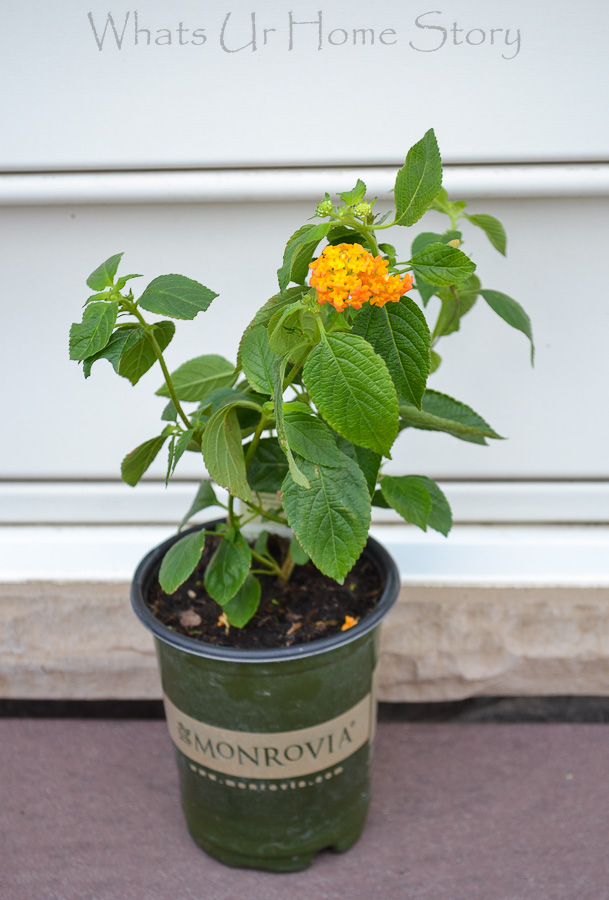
81 641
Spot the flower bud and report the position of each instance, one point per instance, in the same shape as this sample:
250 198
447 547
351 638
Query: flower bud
324 208
362 209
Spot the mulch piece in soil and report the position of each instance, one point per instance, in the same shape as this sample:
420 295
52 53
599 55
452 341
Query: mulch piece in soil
310 606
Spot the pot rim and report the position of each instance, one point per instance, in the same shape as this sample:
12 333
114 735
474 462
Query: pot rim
146 570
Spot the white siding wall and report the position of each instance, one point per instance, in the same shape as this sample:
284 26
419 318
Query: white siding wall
76 110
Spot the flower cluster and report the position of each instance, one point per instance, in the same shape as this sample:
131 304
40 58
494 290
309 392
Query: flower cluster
348 275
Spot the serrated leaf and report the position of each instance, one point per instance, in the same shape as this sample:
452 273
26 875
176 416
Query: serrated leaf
355 195
511 312
418 181
138 356
352 389
204 498
299 252
440 412
368 461
409 498
268 467
123 336
310 437
181 560
492 228
332 518
139 460
228 567
398 332
244 604
258 360
92 334
223 451
442 265
198 377
103 276
296 473
176 296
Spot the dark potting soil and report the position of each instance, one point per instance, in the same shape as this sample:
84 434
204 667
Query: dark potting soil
310 606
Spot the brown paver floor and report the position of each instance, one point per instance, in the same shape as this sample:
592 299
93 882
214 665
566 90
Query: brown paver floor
89 810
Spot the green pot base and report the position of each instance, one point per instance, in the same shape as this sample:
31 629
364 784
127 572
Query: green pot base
294 863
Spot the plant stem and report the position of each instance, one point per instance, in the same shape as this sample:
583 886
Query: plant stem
288 567
132 308
256 439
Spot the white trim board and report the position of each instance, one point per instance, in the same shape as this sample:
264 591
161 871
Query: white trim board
263 185
472 555
109 502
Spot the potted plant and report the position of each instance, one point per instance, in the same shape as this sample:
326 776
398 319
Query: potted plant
267 638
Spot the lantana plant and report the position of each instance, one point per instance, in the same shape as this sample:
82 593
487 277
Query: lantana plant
329 371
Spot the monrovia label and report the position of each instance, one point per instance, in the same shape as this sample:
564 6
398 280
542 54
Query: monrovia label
264 755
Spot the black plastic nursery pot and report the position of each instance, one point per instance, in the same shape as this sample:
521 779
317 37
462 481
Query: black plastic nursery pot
273 746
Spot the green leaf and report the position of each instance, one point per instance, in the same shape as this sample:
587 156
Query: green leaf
442 265
124 336
352 389
92 334
176 296
228 567
356 195
103 276
456 302
181 560
198 377
440 517
511 312
170 413
122 281
299 252
285 330
137 356
258 360
244 604
268 467
493 229
275 303
408 497
310 437
139 460
204 497
399 334
435 360
295 472
418 500
178 446
368 461
431 237
297 553
442 413
418 181
223 452
332 518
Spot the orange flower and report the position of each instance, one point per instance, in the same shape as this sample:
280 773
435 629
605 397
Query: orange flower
347 275
348 623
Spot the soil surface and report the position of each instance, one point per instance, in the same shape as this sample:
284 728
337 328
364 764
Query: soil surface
310 606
